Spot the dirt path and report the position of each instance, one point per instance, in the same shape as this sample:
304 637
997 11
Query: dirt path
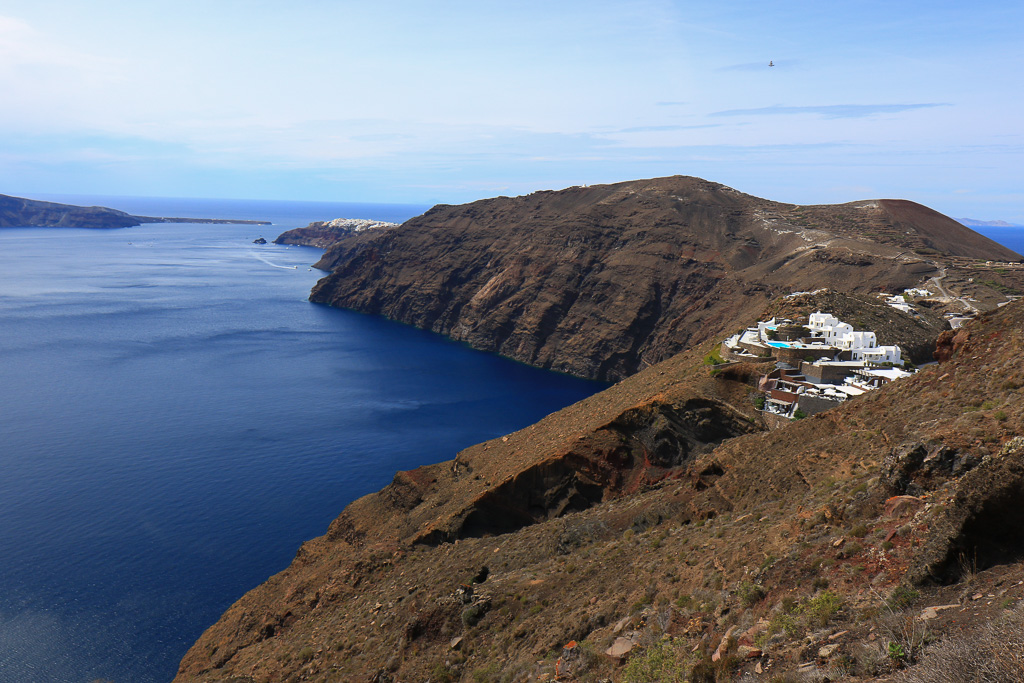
937 280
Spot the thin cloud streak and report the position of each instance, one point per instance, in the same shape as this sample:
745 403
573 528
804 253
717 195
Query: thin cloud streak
832 111
656 129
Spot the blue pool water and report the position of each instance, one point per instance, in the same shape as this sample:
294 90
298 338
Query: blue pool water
176 418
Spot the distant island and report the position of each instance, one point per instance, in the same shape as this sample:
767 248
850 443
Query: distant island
974 223
17 212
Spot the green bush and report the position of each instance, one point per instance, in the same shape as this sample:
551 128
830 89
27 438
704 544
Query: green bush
662 662
488 674
860 531
751 593
822 607
902 598
784 623
472 615
441 674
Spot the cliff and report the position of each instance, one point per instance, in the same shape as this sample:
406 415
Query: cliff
323 234
602 281
16 212
655 531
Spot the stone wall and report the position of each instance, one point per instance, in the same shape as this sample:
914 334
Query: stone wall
797 356
727 354
773 421
825 374
811 405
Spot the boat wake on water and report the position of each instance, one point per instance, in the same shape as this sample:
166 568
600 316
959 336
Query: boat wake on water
275 265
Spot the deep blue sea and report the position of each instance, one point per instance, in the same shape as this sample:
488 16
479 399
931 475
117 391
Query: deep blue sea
176 418
1011 237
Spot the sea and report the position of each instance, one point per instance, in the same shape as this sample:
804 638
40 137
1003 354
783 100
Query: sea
1011 237
176 419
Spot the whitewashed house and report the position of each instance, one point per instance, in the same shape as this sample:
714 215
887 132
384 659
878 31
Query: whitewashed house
862 344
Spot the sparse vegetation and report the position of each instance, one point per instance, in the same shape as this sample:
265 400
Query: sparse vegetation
751 593
660 661
995 652
713 358
902 597
820 609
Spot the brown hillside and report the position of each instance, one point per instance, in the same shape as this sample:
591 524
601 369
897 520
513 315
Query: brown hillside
659 518
602 281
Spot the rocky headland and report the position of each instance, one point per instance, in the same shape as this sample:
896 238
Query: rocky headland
16 212
602 281
658 530
322 234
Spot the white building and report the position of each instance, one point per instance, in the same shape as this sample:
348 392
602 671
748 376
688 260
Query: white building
900 304
820 321
861 344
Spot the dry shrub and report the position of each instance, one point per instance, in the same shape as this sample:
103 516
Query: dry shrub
993 653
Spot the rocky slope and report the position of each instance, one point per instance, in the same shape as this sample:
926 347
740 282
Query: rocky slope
632 536
16 212
323 234
602 281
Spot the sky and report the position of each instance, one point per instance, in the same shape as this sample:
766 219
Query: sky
425 102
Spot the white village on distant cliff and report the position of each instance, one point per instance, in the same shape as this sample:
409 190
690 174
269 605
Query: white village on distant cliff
817 365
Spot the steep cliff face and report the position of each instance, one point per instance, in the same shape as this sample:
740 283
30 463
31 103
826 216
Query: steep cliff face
602 281
659 519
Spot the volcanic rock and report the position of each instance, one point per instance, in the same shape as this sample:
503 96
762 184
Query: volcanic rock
625 496
601 281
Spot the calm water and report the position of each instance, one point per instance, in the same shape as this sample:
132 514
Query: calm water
176 418
1012 238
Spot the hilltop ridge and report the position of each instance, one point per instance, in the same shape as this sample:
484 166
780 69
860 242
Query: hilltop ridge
602 281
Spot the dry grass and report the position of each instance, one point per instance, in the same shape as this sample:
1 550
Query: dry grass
992 654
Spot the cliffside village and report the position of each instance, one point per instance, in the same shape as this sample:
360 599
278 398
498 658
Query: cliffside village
817 365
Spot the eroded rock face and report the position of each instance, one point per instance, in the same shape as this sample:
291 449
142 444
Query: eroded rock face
601 281
981 526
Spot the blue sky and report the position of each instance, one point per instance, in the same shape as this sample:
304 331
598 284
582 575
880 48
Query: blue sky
453 101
